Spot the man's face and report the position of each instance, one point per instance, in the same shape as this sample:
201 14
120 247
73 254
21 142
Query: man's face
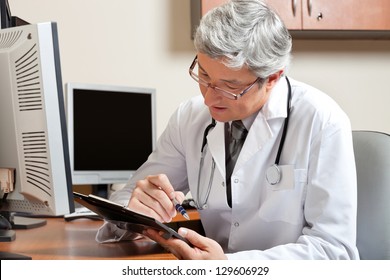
222 108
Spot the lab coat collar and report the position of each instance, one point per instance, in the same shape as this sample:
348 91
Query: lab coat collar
272 108
276 106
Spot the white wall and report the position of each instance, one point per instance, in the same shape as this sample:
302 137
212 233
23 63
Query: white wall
356 73
147 43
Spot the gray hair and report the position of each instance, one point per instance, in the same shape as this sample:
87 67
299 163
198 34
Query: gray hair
246 32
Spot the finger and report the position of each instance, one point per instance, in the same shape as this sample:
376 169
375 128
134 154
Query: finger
180 197
194 238
161 181
172 244
138 204
204 248
156 187
163 192
146 201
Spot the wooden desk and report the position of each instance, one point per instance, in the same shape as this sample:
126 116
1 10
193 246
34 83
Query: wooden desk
75 239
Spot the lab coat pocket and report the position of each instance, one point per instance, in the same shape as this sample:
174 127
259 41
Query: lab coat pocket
284 201
280 177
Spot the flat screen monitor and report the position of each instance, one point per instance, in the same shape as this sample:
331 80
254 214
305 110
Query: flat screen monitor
33 134
112 131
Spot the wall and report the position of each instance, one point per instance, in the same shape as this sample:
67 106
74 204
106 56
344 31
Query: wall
148 43
354 72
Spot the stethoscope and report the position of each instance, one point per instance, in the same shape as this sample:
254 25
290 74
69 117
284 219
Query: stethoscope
273 174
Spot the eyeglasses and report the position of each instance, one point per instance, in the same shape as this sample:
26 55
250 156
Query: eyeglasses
224 92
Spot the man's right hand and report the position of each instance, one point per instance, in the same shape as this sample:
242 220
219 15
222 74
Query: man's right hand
153 196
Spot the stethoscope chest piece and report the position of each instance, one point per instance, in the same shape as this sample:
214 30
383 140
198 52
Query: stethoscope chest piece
273 175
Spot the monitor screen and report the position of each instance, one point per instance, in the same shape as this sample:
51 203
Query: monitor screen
111 131
33 134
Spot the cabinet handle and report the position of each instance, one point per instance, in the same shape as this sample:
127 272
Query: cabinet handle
309 7
294 7
319 17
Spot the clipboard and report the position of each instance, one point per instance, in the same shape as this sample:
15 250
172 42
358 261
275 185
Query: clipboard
123 217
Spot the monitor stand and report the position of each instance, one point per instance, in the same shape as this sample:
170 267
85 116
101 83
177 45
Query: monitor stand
7 235
13 256
101 190
10 221
19 222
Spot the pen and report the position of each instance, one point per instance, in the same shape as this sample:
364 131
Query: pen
180 209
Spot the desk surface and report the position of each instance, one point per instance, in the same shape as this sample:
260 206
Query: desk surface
75 239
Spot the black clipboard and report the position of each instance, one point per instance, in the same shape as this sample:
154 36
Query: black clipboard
123 217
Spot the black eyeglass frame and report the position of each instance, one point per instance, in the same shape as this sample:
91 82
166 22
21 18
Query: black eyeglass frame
223 92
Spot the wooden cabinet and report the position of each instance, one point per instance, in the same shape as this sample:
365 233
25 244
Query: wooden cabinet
334 14
352 15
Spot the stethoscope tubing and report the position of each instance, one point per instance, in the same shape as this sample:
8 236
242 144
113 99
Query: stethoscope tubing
285 124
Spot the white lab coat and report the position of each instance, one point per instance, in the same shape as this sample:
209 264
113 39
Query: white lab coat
310 214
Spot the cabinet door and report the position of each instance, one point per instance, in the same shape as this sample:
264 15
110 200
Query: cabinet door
290 11
345 14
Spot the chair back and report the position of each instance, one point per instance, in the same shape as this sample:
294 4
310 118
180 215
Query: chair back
372 155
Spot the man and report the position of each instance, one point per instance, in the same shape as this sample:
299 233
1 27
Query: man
289 192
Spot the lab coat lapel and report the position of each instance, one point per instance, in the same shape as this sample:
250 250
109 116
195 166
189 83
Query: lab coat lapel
216 143
258 135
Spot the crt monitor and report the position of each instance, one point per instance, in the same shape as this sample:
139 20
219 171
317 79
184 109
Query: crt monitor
33 134
112 131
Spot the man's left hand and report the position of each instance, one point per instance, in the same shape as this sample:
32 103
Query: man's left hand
203 248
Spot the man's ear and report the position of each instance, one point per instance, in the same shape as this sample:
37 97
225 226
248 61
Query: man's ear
272 79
